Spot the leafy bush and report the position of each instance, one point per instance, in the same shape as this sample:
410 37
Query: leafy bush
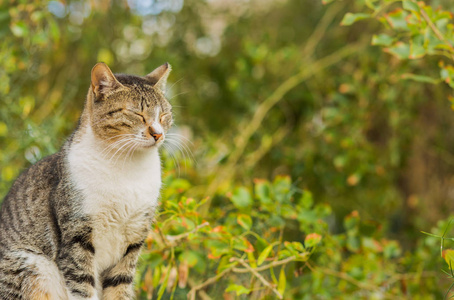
246 246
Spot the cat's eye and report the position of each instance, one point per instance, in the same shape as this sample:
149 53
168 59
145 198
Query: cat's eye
164 118
141 116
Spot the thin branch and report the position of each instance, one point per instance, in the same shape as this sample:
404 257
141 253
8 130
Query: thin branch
410 276
265 146
202 294
343 276
260 277
320 30
173 238
348 278
193 291
268 266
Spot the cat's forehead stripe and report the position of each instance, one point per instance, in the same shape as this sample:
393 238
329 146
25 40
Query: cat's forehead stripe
157 114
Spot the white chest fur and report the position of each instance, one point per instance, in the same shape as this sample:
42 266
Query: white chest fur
117 195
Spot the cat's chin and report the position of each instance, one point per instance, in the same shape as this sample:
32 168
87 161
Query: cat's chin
150 145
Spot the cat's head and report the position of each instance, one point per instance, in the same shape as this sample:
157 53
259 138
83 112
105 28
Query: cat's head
127 111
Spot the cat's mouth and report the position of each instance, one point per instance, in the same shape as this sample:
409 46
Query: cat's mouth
150 143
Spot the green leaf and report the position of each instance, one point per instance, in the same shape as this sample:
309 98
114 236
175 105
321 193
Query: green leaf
245 221
163 286
242 244
417 49
350 18
241 198
282 188
397 19
282 281
371 4
448 255
410 5
238 289
265 253
420 78
252 260
399 50
306 201
190 257
312 239
217 247
447 74
382 40
263 191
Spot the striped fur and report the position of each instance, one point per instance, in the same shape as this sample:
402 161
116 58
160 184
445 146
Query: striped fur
72 225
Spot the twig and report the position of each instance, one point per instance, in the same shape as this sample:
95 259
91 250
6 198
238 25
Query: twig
173 238
268 266
164 240
410 276
203 295
343 276
258 154
320 30
260 277
192 292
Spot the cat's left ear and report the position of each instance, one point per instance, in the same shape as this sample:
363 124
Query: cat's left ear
103 80
159 76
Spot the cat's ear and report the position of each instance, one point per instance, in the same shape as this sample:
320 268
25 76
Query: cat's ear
103 80
159 76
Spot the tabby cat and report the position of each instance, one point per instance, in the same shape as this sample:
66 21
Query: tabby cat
72 225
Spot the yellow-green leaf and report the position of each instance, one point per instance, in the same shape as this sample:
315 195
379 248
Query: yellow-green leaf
282 281
350 18
245 221
449 257
312 239
238 289
264 255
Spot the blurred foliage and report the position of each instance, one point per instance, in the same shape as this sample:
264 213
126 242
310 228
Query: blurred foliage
270 89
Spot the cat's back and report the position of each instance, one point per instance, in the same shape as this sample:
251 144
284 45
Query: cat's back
26 216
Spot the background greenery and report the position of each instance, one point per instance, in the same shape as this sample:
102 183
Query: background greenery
314 146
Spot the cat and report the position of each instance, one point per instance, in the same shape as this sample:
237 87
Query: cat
73 224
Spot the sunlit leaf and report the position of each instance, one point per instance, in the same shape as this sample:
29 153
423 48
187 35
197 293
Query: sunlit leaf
420 78
241 198
312 240
238 289
245 221
382 40
264 255
351 18
410 5
282 281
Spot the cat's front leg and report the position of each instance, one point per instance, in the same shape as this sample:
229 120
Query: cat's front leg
117 281
76 263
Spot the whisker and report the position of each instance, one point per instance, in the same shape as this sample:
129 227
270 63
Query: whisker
121 149
180 144
113 145
179 94
180 136
175 83
130 153
172 156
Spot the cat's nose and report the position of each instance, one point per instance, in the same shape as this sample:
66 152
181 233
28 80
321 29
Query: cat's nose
154 134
